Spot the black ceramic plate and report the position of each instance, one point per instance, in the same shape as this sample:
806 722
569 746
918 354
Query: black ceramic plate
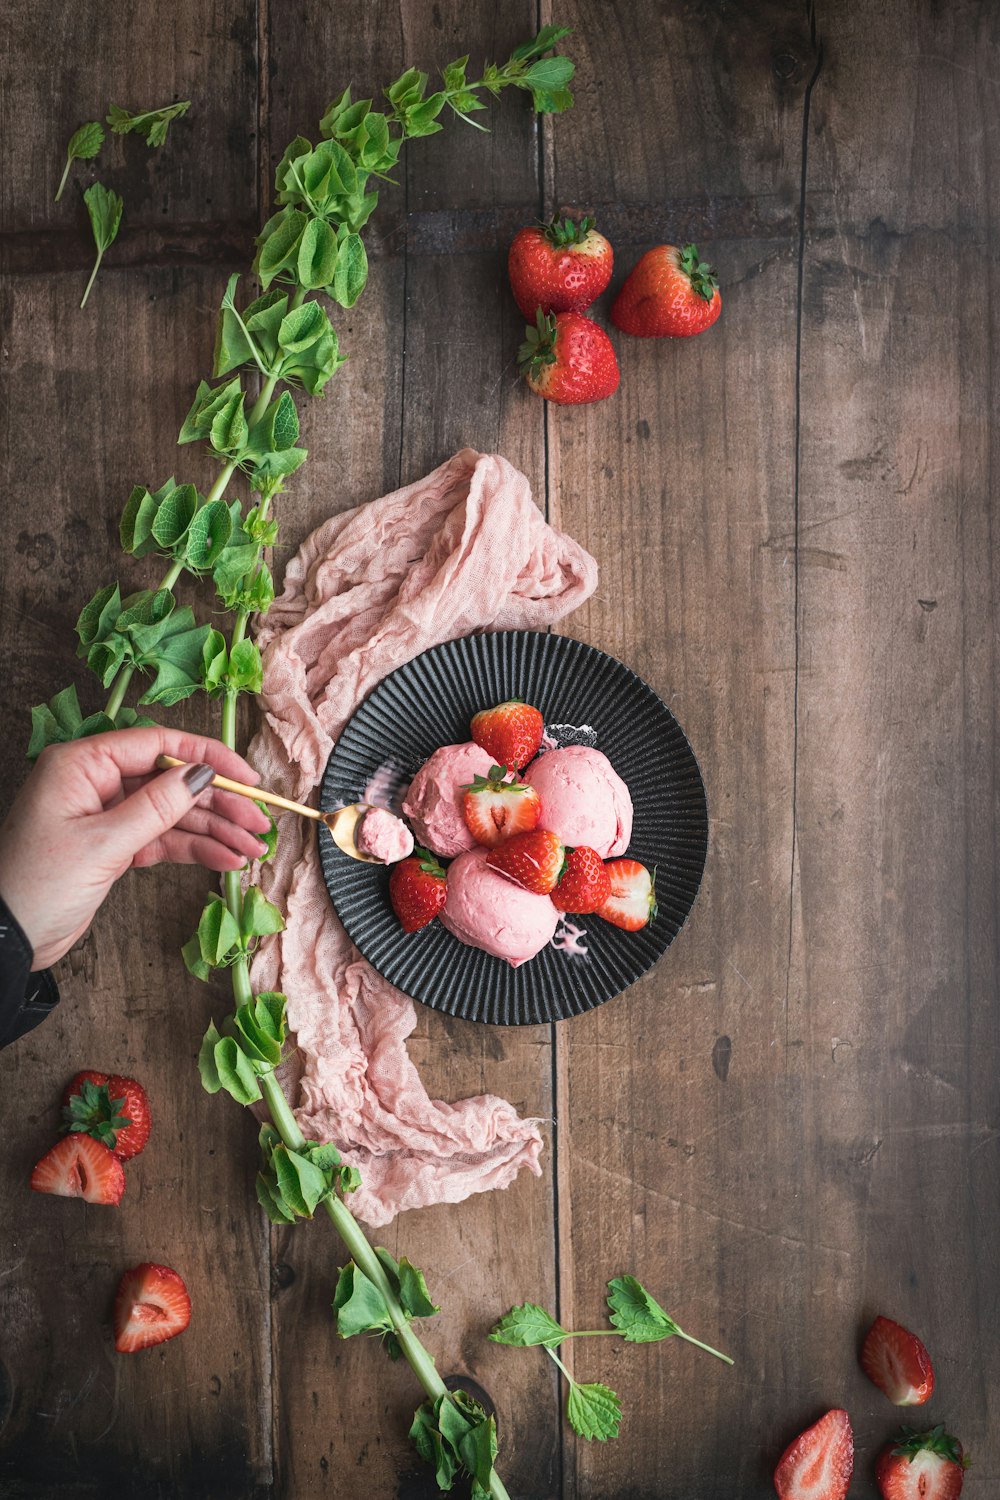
429 702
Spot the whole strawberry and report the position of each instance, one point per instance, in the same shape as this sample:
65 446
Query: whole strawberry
560 266
569 360
496 808
511 732
921 1466
533 860
584 884
417 890
112 1109
671 293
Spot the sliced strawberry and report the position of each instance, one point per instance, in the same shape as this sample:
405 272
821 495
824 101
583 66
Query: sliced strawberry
896 1361
534 860
151 1306
511 732
584 884
80 1167
921 1466
417 890
75 1085
632 902
115 1111
495 807
819 1463
131 1140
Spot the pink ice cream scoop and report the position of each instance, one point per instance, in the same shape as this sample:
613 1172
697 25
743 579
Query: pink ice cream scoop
381 835
584 800
435 799
486 910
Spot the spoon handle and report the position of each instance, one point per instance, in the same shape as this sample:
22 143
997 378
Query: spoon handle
253 792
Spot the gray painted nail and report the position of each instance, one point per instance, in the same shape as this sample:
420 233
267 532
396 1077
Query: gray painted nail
197 778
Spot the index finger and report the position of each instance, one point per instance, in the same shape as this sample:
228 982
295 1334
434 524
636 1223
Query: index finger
109 757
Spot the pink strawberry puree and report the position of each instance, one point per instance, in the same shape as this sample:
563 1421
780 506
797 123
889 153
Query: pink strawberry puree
486 910
435 801
461 550
383 836
584 800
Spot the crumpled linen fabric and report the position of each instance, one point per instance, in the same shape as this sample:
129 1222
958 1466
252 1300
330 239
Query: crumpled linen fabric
463 550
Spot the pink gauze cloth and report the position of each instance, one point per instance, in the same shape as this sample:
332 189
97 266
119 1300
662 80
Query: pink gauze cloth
464 550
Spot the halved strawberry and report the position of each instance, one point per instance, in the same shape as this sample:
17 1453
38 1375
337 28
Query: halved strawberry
151 1306
80 1167
632 902
115 1111
534 860
511 732
896 1361
417 890
496 807
921 1466
584 884
819 1463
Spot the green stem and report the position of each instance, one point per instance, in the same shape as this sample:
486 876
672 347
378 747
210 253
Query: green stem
553 1355
93 274
62 182
707 1347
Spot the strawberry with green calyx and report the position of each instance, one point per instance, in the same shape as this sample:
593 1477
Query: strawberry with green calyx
511 732
584 885
671 293
631 903
498 806
560 266
417 889
151 1306
921 1466
113 1110
532 860
567 359
80 1167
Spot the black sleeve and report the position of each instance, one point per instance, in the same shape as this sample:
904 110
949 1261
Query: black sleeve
25 998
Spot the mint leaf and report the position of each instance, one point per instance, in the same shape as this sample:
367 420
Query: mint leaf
104 209
593 1411
84 145
637 1314
526 1326
151 124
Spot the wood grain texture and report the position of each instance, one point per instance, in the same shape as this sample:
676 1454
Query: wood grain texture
792 1123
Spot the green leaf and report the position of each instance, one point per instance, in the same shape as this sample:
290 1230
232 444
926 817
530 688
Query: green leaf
454 73
278 427
287 189
549 73
85 143
547 38
218 933
302 327
236 1072
296 1173
638 1315
215 662
422 118
351 271
173 516
207 405
358 1305
278 244
526 1326
593 1411
208 536
229 430
97 617
317 256
313 367
104 208
260 917
60 720
426 1438
210 1080
136 526
257 1041
407 90
151 123
177 660
323 1154
193 961
270 839
413 1294
246 673
271 1201
334 113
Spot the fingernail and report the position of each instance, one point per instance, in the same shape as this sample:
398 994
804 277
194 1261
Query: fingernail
261 846
197 778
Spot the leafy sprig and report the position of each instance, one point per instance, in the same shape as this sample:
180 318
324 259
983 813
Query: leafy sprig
151 124
104 208
594 1411
84 145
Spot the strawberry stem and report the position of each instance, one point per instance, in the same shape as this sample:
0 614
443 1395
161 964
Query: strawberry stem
539 347
700 274
564 232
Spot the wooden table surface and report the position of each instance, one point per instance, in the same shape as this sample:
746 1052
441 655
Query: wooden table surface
792 1123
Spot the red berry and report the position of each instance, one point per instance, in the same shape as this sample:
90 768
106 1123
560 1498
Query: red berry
669 294
819 1463
417 890
896 1361
151 1306
80 1167
584 884
511 732
533 860
114 1110
495 809
559 267
632 902
75 1085
921 1466
569 360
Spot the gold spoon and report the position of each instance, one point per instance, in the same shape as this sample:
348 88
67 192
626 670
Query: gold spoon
342 822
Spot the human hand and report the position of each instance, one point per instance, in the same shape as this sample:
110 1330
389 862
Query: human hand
94 808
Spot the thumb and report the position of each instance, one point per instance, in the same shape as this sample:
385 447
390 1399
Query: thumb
153 810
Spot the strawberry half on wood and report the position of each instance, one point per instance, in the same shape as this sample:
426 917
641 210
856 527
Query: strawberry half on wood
671 293
921 1466
560 266
818 1464
896 1361
567 359
532 860
584 884
631 903
114 1110
151 1306
80 1167
496 807
417 890
511 732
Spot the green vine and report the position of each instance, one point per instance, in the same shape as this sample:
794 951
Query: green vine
312 247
